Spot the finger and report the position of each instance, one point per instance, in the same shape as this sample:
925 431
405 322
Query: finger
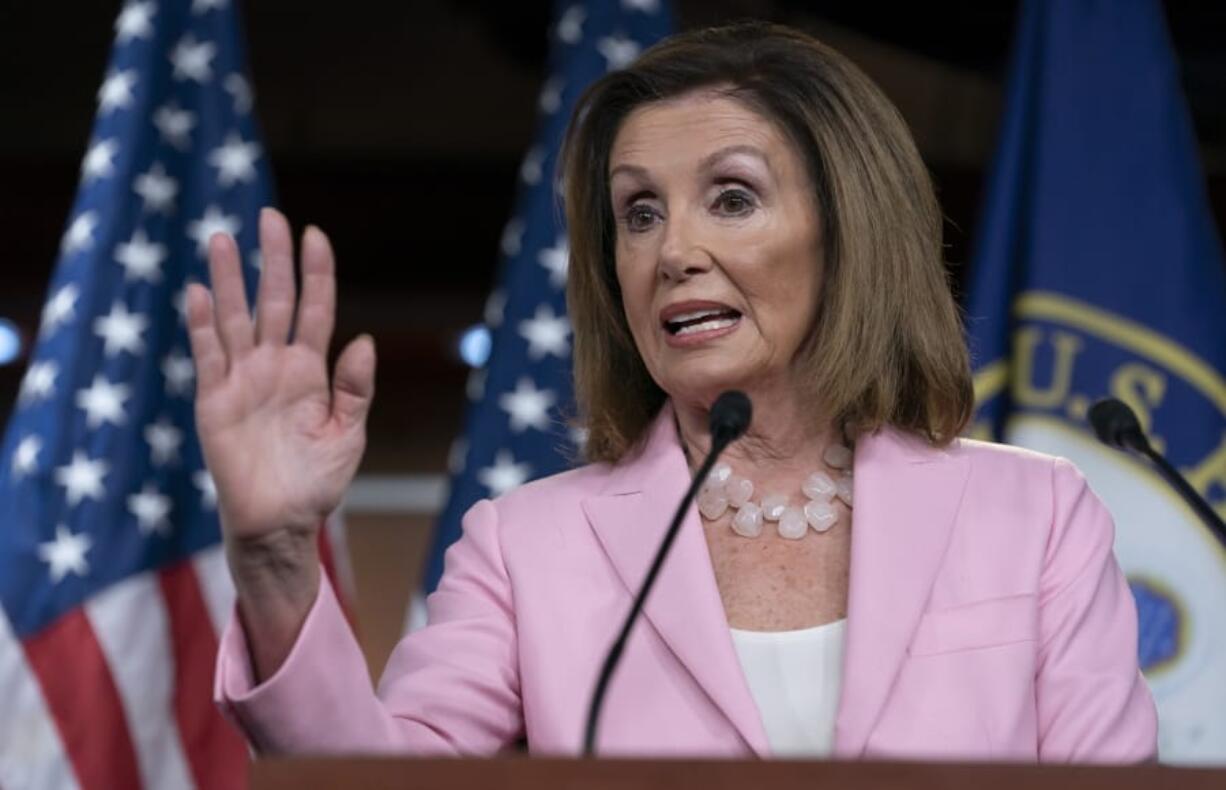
275 303
230 311
317 310
207 351
353 384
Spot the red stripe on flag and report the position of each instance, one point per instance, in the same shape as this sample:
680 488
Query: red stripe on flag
215 751
84 701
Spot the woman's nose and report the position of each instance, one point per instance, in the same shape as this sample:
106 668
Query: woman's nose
681 254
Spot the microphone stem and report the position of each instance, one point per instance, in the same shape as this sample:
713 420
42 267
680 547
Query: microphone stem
611 660
1190 494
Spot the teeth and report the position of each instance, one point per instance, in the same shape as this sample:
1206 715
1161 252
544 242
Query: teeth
706 326
677 319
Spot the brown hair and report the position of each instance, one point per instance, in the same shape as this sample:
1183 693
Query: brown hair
887 346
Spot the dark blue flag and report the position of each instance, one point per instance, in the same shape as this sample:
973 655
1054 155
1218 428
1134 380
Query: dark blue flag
516 427
111 577
1099 272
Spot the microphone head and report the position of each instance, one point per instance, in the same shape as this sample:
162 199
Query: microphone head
1116 425
730 416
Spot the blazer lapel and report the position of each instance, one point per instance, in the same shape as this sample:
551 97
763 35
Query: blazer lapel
630 518
906 497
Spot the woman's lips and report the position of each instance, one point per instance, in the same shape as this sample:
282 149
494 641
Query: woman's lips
694 321
702 330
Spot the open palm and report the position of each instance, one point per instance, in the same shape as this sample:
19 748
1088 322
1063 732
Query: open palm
281 442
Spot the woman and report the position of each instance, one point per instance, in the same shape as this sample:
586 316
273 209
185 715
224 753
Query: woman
746 211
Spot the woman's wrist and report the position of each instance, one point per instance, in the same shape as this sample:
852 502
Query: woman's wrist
276 581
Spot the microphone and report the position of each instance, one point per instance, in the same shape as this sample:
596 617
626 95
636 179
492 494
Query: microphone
1117 426
730 417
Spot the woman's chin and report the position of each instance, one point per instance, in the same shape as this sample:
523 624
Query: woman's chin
702 387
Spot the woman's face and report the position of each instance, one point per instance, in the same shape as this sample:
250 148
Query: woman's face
718 245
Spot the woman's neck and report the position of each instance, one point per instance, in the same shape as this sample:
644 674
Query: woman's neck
784 439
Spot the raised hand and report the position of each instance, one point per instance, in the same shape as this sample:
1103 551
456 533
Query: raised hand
282 445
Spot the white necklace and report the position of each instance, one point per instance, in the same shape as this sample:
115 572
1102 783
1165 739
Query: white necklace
723 490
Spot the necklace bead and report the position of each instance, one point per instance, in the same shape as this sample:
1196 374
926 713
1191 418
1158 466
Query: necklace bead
773 506
739 490
837 456
748 520
844 489
819 486
792 523
821 515
724 490
712 503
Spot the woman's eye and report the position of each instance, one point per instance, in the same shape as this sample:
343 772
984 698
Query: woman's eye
734 202
640 217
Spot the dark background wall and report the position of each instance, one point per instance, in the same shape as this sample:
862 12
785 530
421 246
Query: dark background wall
398 127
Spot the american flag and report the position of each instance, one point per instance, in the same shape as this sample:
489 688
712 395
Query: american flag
111 576
517 426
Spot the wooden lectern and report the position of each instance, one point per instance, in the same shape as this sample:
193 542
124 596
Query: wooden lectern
523 773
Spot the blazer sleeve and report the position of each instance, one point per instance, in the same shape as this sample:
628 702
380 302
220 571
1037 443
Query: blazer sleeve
1093 703
450 688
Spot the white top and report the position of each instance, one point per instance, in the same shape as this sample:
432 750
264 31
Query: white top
795 677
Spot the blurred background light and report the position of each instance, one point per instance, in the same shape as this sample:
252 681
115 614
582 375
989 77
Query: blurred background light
475 345
10 342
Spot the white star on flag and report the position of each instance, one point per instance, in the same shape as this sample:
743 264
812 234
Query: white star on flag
99 160
456 454
208 490
150 507
164 440
234 160
25 456
120 330
527 406
512 237
82 477
133 22
557 260
39 382
618 51
213 221
156 189
531 169
204 6
80 233
179 300
551 95
59 309
570 26
102 402
66 553
578 436
141 258
192 59
546 333
236 85
495 303
180 372
504 475
116 91
174 125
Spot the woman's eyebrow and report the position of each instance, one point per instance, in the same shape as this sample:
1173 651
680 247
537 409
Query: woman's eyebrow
633 170
712 159
708 162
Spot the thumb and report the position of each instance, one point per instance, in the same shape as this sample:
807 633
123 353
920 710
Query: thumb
353 383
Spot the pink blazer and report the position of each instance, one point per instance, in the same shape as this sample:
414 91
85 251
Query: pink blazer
987 619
